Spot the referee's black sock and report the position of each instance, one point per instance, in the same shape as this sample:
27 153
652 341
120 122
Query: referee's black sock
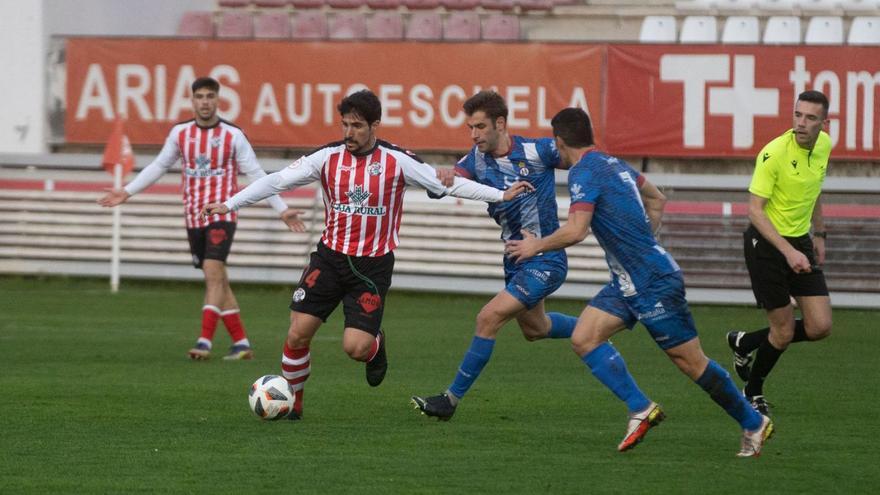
765 360
752 340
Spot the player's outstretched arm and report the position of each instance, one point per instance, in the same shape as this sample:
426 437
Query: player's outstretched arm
517 188
114 197
291 218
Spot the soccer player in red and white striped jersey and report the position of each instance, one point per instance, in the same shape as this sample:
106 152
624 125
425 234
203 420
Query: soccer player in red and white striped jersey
212 152
363 180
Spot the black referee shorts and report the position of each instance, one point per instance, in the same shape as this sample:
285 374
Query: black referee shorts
359 282
773 281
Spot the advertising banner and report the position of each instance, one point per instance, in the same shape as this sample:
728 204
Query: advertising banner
729 101
285 94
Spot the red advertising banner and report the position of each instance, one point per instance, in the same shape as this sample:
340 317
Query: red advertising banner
728 100
285 94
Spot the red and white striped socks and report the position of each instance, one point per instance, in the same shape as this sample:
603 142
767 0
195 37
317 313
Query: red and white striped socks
296 366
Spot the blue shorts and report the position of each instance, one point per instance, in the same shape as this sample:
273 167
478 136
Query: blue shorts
661 307
534 279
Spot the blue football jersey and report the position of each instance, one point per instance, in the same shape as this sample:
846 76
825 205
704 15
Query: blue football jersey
532 160
610 188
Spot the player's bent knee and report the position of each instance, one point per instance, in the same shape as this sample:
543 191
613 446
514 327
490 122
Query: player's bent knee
818 331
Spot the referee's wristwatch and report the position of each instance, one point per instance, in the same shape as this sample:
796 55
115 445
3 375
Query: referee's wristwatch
823 234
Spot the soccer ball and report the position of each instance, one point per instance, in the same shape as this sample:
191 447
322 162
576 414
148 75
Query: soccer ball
271 397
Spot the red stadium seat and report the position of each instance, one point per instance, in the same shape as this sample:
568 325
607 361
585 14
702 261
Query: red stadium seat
424 26
460 4
420 4
271 4
307 4
272 25
498 4
383 4
234 4
196 24
385 26
501 27
309 25
348 26
462 26
345 4
235 24
527 5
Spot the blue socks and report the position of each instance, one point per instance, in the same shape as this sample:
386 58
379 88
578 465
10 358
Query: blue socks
717 383
608 367
474 360
561 326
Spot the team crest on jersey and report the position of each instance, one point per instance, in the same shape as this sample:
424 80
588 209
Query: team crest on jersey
523 169
215 142
576 191
374 168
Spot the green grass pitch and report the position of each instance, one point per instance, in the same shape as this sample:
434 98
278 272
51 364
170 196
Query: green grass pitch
97 396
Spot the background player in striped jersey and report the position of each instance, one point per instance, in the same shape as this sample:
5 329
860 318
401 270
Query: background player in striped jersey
498 159
363 180
213 151
623 209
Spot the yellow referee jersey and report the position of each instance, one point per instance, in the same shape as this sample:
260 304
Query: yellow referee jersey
791 178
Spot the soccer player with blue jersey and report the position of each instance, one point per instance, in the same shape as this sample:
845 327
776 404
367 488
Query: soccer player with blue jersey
623 209
498 160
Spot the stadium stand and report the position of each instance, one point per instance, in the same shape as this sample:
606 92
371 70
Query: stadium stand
736 6
385 26
345 4
272 25
777 6
860 7
307 4
699 29
503 5
234 4
383 4
741 29
271 3
533 5
235 24
818 6
347 26
864 31
501 27
782 30
424 26
50 224
460 4
309 25
659 29
462 26
196 24
694 6
824 30
420 4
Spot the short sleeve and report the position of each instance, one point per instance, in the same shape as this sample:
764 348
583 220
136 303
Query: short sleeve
764 176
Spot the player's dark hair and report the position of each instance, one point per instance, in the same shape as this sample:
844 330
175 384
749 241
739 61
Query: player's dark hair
206 82
814 96
490 102
572 125
363 103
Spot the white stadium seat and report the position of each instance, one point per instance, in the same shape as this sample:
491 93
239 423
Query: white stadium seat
864 31
699 29
821 6
784 6
860 7
782 30
658 29
741 29
824 30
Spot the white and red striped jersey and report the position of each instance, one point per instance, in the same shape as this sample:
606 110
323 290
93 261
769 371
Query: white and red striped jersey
211 158
363 194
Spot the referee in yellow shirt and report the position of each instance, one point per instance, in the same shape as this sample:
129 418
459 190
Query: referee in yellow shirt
784 262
